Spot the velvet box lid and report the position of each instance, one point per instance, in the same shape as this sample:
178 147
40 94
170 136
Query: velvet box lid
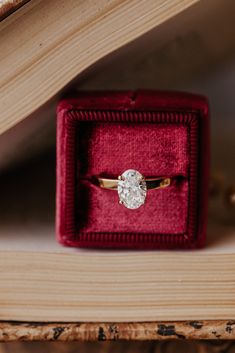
102 134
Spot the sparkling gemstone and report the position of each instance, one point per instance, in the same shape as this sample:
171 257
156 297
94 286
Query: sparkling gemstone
132 189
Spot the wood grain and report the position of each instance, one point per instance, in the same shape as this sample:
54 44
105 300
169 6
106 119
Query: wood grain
200 330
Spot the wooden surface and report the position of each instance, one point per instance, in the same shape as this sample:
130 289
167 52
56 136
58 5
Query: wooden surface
200 330
56 43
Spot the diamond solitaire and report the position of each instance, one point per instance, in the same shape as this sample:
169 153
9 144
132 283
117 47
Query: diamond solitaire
132 189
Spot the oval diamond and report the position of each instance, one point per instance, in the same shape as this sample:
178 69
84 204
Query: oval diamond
132 189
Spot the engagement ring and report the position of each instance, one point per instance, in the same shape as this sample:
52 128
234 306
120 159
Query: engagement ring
132 187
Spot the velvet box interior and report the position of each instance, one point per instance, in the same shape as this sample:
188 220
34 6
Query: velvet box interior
158 134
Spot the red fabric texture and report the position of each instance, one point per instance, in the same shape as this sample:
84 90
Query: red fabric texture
159 134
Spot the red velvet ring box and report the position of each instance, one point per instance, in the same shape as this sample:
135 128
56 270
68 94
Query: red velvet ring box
102 134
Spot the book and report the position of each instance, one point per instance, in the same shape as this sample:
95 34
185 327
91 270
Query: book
43 47
165 57
43 281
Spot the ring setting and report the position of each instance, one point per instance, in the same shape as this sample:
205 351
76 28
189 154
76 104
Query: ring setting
132 187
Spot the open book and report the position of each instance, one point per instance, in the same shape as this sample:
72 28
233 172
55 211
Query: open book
43 48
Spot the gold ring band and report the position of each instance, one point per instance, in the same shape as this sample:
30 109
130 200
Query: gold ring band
152 184
132 187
